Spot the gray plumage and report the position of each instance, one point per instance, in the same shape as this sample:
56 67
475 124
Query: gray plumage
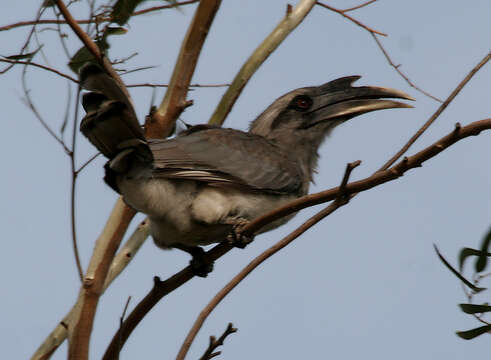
197 187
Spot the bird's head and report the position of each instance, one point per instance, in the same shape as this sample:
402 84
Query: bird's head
307 115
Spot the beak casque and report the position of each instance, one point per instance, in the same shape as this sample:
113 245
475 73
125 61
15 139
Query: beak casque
339 100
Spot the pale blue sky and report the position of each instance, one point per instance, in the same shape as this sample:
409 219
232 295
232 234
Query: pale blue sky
365 283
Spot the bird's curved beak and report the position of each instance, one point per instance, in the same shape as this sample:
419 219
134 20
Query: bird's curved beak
338 100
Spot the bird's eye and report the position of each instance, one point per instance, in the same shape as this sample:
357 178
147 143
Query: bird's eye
301 103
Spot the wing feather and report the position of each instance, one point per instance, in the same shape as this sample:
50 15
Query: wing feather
227 157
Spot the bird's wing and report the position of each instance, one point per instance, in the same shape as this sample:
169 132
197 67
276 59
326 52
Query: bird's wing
226 157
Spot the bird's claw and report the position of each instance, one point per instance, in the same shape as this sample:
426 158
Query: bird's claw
200 265
236 237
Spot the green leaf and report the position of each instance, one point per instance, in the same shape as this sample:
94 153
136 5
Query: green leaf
471 334
483 258
123 9
24 56
475 309
456 273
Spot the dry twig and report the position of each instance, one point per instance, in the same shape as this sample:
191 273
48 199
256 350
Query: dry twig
214 343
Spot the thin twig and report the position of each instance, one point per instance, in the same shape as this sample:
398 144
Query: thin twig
74 174
94 19
437 113
87 163
167 85
30 63
398 69
90 45
357 22
359 6
247 270
260 54
340 200
29 102
214 343
123 315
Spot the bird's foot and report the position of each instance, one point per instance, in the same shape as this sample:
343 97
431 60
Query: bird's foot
200 265
236 237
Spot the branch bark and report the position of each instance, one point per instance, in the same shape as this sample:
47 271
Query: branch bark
162 288
124 256
174 102
291 20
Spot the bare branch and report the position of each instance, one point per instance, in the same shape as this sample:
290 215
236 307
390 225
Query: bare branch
359 6
87 163
96 19
341 200
167 85
397 68
73 188
437 113
125 254
90 45
343 13
272 41
162 288
30 63
174 102
93 285
247 270
214 343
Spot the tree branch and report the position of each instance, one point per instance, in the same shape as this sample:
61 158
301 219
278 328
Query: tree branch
93 286
343 13
162 288
292 19
341 200
125 254
397 68
174 102
30 63
96 19
438 112
90 45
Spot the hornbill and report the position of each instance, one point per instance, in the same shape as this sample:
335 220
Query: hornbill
203 185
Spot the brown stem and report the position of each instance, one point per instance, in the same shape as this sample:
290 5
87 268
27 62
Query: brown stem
107 243
160 124
162 288
437 113
246 271
340 201
357 22
90 45
30 63
95 19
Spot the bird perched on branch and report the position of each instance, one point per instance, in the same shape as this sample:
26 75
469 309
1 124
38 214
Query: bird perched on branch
206 183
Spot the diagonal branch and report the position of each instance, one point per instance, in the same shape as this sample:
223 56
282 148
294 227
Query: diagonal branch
438 112
292 19
341 200
90 45
397 68
125 254
163 288
174 102
352 19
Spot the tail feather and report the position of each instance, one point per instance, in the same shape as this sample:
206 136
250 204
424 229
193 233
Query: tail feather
111 124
